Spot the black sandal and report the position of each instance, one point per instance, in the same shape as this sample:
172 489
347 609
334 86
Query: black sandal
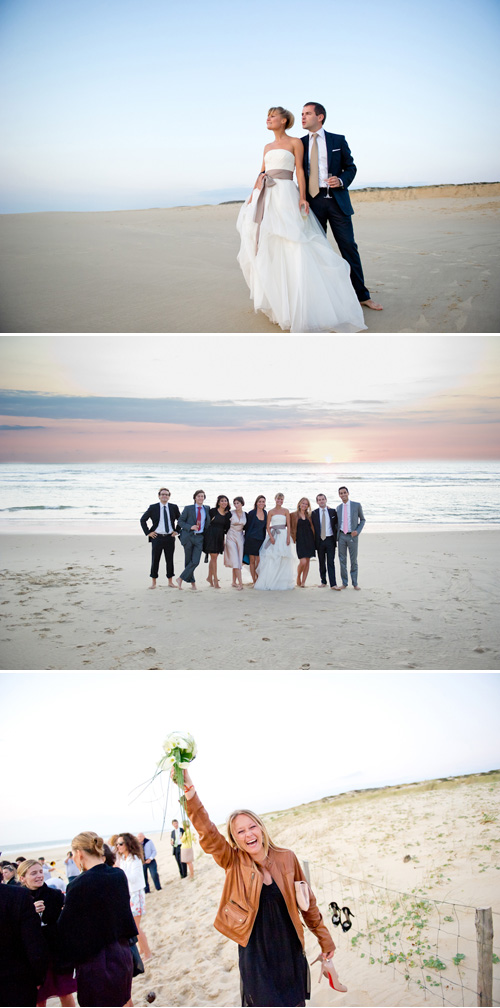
346 924
336 913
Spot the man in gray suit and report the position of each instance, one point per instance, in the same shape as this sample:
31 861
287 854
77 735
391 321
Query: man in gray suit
351 522
192 524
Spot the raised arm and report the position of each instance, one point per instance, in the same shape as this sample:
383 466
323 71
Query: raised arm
211 841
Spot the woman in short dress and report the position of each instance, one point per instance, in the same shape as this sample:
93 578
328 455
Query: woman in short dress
96 926
187 856
255 533
131 860
302 532
48 905
215 532
235 539
258 909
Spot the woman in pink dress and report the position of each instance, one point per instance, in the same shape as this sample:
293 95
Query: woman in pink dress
235 539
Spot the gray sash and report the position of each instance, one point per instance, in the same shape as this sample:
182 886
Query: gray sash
267 180
274 528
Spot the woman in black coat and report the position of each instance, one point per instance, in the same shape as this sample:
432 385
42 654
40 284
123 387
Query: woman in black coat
95 927
48 905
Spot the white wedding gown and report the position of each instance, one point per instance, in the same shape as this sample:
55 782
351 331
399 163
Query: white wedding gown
294 276
275 568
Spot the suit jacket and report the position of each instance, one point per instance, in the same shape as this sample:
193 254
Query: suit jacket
340 163
172 837
23 951
188 518
317 524
357 517
153 513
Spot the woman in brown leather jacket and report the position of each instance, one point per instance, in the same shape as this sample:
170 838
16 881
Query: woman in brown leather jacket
259 909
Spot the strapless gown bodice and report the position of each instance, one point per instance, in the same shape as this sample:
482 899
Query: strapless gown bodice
277 158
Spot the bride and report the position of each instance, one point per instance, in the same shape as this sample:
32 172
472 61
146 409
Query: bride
293 273
275 570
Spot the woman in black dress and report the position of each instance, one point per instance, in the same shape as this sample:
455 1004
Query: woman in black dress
302 532
213 537
48 905
255 533
95 927
259 908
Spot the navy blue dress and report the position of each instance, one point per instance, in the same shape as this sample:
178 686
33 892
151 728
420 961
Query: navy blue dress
255 532
273 966
305 539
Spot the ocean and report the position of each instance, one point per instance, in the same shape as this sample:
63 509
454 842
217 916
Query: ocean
100 498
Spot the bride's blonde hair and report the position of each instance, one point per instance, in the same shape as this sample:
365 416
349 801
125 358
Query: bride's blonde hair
289 116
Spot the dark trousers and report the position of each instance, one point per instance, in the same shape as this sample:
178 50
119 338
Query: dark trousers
327 210
162 544
182 867
325 549
193 546
153 867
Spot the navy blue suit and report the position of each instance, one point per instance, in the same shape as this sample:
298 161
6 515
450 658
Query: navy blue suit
338 210
325 547
161 543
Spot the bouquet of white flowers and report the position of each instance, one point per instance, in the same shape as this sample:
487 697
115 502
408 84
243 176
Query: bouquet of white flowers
180 749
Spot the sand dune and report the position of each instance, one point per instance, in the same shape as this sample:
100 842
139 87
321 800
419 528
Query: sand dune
429 255
412 862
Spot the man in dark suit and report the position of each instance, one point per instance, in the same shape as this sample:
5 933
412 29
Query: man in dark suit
23 952
162 533
175 840
329 169
192 524
324 519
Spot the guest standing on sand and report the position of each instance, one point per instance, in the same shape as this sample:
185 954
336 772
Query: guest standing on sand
324 519
163 517
23 953
255 533
302 532
258 908
48 904
351 522
176 841
192 524
149 862
95 927
215 533
329 169
187 856
233 550
130 851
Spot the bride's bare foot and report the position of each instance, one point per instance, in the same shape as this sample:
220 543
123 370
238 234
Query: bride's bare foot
179 582
370 303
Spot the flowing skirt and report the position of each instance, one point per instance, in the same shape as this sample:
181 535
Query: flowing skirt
275 568
294 276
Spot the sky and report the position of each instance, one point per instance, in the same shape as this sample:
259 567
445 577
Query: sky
120 104
84 754
105 398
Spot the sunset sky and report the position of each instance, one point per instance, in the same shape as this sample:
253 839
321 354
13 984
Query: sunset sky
152 398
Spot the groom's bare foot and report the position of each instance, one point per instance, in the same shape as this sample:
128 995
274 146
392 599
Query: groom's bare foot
372 304
153 585
193 586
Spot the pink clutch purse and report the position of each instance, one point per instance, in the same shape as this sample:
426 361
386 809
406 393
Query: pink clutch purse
302 895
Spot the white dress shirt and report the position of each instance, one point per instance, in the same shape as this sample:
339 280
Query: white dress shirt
328 524
322 158
161 530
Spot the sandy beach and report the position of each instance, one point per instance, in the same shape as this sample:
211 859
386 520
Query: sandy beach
428 601
411 862
430 255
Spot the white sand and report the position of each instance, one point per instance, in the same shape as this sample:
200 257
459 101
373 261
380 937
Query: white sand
430 255
356 845
428 600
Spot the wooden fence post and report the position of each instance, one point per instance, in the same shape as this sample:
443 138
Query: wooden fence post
307 873
484 938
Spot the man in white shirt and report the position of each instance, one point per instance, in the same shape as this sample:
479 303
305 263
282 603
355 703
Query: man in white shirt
329 169
351 521
175 840
149 861
162 533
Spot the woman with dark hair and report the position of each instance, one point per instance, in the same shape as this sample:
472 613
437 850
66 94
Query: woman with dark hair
302 533
293 273
215 532
233 550
131 855
48 905
258 908
95 927
255 533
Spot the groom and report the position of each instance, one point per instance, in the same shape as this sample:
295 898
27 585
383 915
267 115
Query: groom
329 170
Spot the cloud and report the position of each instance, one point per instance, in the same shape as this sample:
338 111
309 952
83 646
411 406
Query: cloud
21 427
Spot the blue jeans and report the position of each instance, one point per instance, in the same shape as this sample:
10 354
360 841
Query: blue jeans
153 867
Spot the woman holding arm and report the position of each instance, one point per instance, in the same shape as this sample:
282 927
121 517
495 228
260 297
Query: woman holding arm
258 908
276 564
302 532
293 273
215 532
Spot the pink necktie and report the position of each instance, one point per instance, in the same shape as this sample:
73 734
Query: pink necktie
344 527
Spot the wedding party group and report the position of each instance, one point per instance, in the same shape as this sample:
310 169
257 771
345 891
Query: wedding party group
294 275
260 538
